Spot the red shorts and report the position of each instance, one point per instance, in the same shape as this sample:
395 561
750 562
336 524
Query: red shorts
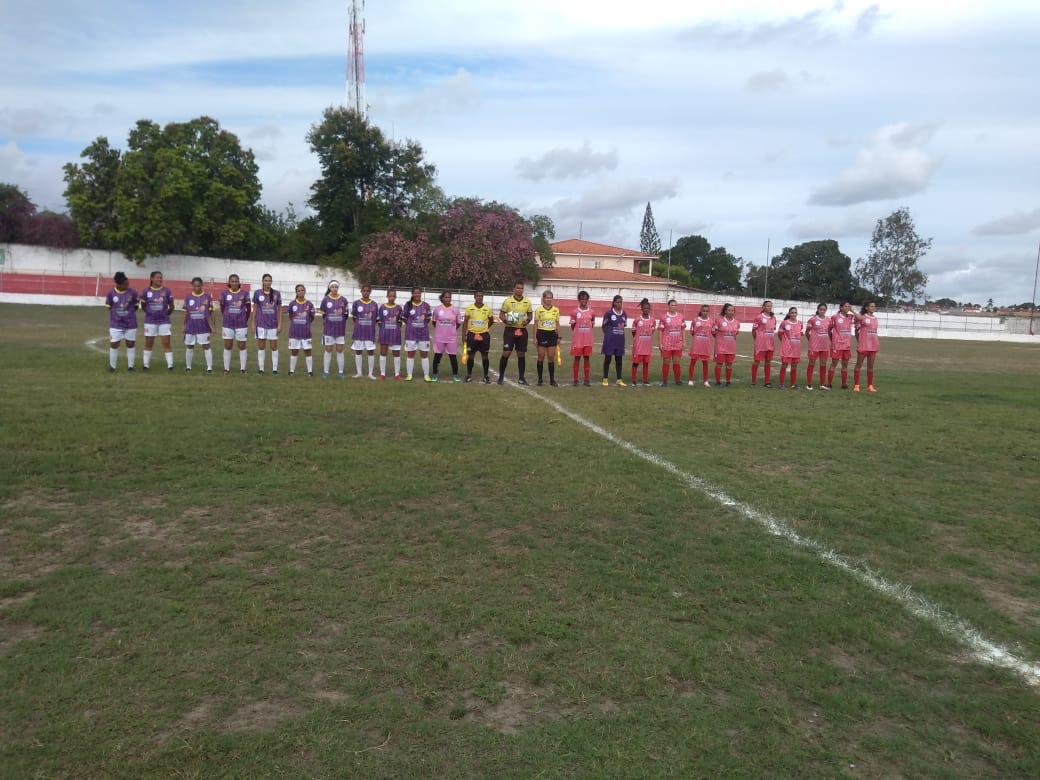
814 356
640 358
725 359
764 355
790 361
841 354
581 351
695 357
669 354
866 352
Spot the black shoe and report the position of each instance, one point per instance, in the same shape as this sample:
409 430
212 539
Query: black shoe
260 371
169 368
727 384
130 370
210 371
468 379
274 371
188 370
310 374
242 372
767 385
487 380
553 383
522 381
540 383
291 373
144 368
586 383
501 380
111 370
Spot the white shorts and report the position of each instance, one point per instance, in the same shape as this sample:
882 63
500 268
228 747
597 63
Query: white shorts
299 344
412 346
267 334
235 334
191 339
392 347
328 341
152 329
118 334
363 346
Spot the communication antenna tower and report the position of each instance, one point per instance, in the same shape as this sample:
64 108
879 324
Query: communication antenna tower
356 59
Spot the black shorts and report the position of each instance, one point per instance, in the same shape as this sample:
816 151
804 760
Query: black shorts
547 338
512 341
481 346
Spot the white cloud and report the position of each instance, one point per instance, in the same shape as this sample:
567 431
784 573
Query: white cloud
456 93
563 163
39 177
608 212
855 223
1010 225
893 165
778 80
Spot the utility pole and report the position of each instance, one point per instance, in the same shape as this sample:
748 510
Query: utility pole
356 59
765 292
1036 275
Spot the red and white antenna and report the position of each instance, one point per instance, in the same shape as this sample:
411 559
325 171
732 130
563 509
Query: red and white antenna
356 59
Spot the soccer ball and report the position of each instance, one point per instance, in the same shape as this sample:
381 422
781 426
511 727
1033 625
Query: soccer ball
513 317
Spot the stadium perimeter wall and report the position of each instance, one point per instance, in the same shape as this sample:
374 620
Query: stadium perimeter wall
81 277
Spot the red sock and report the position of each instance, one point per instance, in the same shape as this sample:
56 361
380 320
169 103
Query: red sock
704 370
575 367
677 372
855 377
718 373
870 377
693 365
844 376
646 372
830 376
664 373
822 369
808 373
729 372
754 372
783 373
635 367
769 372
588 365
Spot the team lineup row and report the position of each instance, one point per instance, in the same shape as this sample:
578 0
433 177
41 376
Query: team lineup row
419 328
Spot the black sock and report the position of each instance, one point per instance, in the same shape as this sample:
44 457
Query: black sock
487 363
617 365
521 363
469 364
606 366
552 371
502 363
436 362
541 369
454 364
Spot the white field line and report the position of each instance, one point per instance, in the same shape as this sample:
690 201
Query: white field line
983 650
92 345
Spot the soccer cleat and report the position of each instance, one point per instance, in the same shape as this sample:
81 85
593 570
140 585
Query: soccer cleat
501 380
435 378
144 368
382 377
855 388
130 369
187 369
727 384
540 383
871 389
291 373
274 372
794 387
553 383
808 387
373 377
487 380
844 387
260 371
690 383
111 370
409 378
522 381
606 382
341 375
427 378
707 384
310 374
825 387
586 383
767 385
455 379
242 372
356 376
663 384
469 380
169 368
226 372
209 370
621 383
398 377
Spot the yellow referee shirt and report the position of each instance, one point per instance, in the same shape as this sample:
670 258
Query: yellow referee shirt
547 319
479 318
522 308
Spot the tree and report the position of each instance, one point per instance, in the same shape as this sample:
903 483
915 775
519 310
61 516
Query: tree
813 271
709 269
16 214
891 266
676 273
90 190
649 241
50 228
989 303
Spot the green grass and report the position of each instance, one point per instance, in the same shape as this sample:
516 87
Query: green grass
239 576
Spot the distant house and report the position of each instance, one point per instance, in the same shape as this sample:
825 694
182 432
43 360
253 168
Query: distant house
588 264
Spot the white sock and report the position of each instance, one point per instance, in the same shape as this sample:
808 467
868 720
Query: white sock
146 357
372 364
169 359
292 363
425 365
113 356
261 358
131 355
382 365
188 355
409 363
341 361
357 363
227 359
328 361
397 364
209 358
274 360
242 356
310 364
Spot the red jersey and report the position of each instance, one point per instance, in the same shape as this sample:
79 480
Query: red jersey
700 345
818 330
643 330
841 331
763 330
672 327
726 336
582 322
791 339
866 334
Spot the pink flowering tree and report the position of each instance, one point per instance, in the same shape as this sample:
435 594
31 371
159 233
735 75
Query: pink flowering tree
391 257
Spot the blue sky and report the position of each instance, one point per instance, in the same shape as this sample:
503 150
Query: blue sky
745 122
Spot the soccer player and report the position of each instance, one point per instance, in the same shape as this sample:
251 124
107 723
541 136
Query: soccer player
122 302
446 321
614 323
198 324
583 320
867 344
763 333
725 330
267 322
643 328
515 314
818 328
157 303
671 326
547 336
417 313
234 308
790 335
301 315
841 344
476 324
702 329
333 310
364 312
389 319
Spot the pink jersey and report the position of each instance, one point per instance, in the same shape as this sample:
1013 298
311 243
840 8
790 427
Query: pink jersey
672 326
763 330
445 322
818 329
726 336
700 345
582 321
841 332
866 334
643 332
791 339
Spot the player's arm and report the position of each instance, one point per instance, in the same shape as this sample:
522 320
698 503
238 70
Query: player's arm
502 316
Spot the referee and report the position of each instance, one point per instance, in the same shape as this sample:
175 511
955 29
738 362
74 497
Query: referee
477 327
515 315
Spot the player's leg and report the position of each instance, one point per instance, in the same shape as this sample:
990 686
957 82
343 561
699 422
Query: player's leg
131 348
327 358
729 368
769 368
541 364
870 372
115 336
503 361
146 355
382 361
855 374
167 350
261 354
294 356
371 359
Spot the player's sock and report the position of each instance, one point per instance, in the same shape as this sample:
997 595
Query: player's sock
292 363
718 373
425 365
437 363
783 374
823 370
830 376
227 359
617 365
769 372
397 364
454 364
208 354
146 357
521 364
635 368
486 363
552 372
808 374
541 370
870 377
729 372
261 359
341 361
502 363
606 366
327 362
844 376
693 366
382 365
588 367
169 359
274 359
310 363
131 356
243 356
665 370
113 357
574 369
646 372
357 363
704 370
754 372
372 364
409 364
188 355
855 376
677 371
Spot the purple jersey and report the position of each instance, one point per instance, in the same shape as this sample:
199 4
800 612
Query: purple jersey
197 309
389 319
364 315
157 305
122 308
301 315
417 319
334 314
235 308
268 308
614 324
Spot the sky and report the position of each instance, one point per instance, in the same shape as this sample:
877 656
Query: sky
746 122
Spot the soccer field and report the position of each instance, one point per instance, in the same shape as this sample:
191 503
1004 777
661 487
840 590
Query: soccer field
255 576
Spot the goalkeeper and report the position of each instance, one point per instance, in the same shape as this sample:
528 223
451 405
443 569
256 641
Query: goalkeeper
515 314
